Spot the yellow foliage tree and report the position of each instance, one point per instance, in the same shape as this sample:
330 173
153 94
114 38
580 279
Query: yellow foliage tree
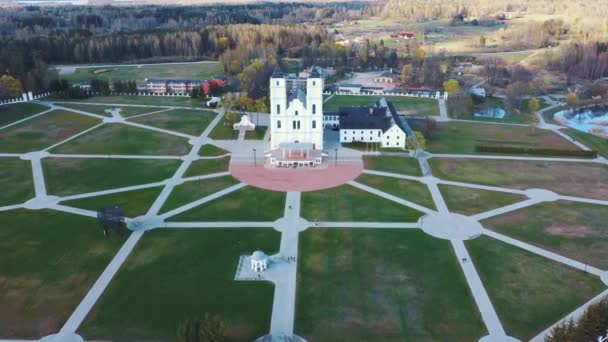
451 86
12 84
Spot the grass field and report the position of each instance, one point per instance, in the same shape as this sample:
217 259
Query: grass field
246 204
462 137
12 112
372 285
410 190
207 166
48 261
118 138
209 150
347 203
403 105
133 203
177 101
88 175
186 121
15 181
575 230
224 130
139 74
468 201
529 292
174 275
592 141
43 131
548 114
101 109
403 165
257 134
577 179
191 191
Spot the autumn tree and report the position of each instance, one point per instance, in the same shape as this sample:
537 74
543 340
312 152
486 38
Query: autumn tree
460 103
12 85
451 86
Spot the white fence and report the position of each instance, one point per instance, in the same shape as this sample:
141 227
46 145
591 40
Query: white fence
438 95
25 97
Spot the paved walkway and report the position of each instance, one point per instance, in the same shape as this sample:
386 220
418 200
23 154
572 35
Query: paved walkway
390 197
443 111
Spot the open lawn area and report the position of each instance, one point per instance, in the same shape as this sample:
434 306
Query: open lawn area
575 230
567 178
592 141
13 112
462 137
349 204
15 181
207 166
246 204
173 275
43 131
257 134
125 111
186 121
189 192
178 101
224 130
381 285
140 73
529 292
403 105
209 150
117 138
402 165
469 201
48 261
133 203
89 175
409 190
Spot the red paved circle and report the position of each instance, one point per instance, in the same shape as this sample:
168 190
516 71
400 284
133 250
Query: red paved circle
300 179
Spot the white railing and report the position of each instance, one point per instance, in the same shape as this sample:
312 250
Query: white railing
437 96
25 97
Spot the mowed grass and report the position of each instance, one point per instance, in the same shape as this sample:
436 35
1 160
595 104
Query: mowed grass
48 261
575 230
178 101
179 274
257 134
469 201
529 292
43 131
224 130
117 138
192 191
594 142
10 113
207 166
403 105
15 181
347 203
209 150
462 137
246 204
89 175
186 121
409 190
101 109
588 180
402 165
381 285
548 114
140 73
133 203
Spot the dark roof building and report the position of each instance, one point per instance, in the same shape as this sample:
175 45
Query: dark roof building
381 115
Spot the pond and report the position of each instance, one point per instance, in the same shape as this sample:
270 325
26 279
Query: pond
589 121
491 112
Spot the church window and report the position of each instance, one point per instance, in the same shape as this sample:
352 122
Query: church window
314 124
294 124
278 123
314 83
378 133
296 112
277 83
314 109
278 109
298 124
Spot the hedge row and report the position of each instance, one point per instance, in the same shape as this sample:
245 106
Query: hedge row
536 151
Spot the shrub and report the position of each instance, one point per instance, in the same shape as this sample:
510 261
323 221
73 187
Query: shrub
536 151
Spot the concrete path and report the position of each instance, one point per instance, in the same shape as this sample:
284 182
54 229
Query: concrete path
14 123
218 224
73 137
505 209
38 176
200 201
443 111
390 197
329 98
480 156
149 113
392 175
156 129
366 225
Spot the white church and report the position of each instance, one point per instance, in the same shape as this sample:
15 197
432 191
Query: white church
297 122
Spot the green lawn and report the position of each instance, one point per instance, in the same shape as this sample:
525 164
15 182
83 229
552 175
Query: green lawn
462 137
134 203
117 138
529 292
403 165
569 178
403 105
246 204
191 191
12 112
410 190
469 201
178 101
48 262
101 109
548 114
373 285
575 230
592 141
257 134
186 121
15 181
224 130
139 74
347 203
43 131
209 150
207 166
88 175
173 275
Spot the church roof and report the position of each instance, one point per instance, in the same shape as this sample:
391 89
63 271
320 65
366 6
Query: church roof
259 256
297 94
277 73
314 73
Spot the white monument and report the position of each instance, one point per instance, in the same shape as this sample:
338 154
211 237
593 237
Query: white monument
259 261
245 124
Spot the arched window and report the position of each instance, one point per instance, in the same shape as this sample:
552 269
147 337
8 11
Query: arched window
314 83
298 124
314 123
296 113
278 109
277 83
314 109
278 123
293 124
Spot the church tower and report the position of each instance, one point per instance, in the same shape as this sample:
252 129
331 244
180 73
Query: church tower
278 106
314 106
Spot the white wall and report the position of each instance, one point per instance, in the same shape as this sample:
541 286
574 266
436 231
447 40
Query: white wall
363 135
394 137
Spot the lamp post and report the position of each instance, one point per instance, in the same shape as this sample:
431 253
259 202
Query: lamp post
336 156
254 159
